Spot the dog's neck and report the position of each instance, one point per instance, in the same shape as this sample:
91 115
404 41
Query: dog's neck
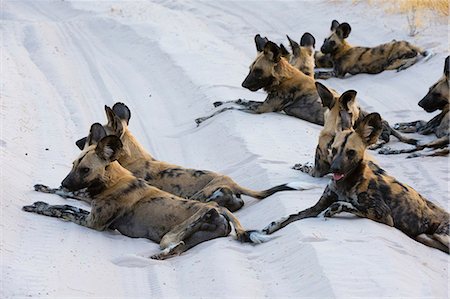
341 51
133 151
284 72
114 174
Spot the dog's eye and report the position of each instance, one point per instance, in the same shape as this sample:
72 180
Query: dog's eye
84 170
351 153
257 72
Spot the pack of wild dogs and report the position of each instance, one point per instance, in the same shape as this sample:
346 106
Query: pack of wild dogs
177 207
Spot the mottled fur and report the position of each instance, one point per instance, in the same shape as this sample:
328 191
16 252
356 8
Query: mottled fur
200 185
437 98
288 89
362 188
302 57
343 113
346 59
122 202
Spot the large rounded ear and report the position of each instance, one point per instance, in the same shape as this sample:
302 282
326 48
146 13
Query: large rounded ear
260 42
343 30
109 148
294 46
109 114
81 143
369 129
325 95
334 24
122 111
96 133
347 99
446 66
308 40
284 52
272 51
114 122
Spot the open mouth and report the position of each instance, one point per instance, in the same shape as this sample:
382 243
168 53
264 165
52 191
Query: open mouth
338 176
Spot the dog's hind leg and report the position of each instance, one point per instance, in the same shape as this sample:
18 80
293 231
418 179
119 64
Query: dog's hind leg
78 195
436 153
178 239
225 197
432 241
409 127
403 138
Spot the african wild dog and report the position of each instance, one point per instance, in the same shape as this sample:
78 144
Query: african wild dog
200 185
343 113
302 56
360 187
395 55
126 203
437 98
322 60
288 89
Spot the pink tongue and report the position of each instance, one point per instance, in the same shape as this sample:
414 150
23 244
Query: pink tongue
337 176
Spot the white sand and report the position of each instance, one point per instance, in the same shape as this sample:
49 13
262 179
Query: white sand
61 62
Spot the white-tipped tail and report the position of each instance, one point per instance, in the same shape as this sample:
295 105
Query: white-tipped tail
302 185
258 237
427 55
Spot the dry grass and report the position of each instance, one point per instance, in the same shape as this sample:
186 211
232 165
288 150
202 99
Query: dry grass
418 12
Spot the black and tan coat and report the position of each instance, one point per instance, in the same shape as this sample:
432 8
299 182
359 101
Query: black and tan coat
437 98
122 202
200 185
346 59
302 57
362 188
343 113
289 90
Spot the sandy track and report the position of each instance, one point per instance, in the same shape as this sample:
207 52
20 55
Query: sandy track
169 61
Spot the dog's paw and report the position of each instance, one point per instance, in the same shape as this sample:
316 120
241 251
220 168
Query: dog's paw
218 103
36 207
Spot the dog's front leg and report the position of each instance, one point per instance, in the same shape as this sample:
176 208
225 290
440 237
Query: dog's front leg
78 195
65 212
328 197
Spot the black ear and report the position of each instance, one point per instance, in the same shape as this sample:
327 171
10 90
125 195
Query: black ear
260 42
109 148
346 99
446 66
294 46
272 51
325 95
308 40
122 111
369 129
96 133
343 30
81 143
334 24
284 51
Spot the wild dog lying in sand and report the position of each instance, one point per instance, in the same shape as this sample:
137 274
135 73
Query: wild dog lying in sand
289 89
302 57
395 55
437 98
343 113
126 203
200 185
360 187
322 60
